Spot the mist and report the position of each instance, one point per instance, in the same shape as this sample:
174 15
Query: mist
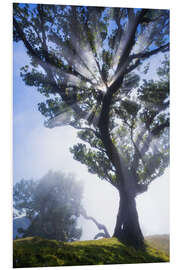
45 149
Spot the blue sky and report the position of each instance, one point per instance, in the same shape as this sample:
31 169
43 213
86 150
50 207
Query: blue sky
37 149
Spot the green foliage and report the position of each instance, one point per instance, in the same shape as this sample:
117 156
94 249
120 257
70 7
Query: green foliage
96 161
127 111
53 107
52 205
155 94
38 252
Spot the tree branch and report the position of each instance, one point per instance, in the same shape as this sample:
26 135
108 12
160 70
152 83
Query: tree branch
139 138
153 52
132 67
46 67
50 61
22 36
88 129
154 132
72 70
133 22
138 154
124 58
157 130
100 226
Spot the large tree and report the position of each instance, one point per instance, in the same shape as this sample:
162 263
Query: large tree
52 206
85 61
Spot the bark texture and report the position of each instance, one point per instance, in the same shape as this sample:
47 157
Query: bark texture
127 228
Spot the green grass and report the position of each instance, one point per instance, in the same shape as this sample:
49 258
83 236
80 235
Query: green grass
161 242
37 252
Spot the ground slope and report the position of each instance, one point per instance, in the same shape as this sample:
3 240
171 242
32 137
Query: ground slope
161 242
35 251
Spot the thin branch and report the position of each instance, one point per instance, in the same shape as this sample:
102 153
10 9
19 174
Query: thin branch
153 52
157 130
154 132
49 61
46 67
138 153
137 142
86 128
100 235
23 38
72 70
100 226
109 179
132 67
100 72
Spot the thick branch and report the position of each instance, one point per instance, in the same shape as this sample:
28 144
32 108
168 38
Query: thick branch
71 70
129 43
125 179
133 23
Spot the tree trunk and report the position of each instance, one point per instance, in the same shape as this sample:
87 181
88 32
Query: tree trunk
127 228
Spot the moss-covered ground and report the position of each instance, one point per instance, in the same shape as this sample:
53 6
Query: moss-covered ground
37 252
160 242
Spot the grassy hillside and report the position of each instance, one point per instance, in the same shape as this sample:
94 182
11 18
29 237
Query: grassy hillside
35 251
161 242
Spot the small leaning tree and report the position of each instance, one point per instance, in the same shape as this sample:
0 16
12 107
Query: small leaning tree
86 62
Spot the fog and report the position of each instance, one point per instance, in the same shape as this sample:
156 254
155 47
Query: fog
43 149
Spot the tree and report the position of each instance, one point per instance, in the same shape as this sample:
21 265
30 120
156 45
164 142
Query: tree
85 61
52 205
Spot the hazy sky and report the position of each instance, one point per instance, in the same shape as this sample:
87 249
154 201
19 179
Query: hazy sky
38 149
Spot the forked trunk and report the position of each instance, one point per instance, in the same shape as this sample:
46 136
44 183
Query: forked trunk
127 228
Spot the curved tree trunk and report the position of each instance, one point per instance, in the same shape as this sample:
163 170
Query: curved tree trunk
127 227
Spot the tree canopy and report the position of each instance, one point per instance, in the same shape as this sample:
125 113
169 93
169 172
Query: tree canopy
86 61
51 204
